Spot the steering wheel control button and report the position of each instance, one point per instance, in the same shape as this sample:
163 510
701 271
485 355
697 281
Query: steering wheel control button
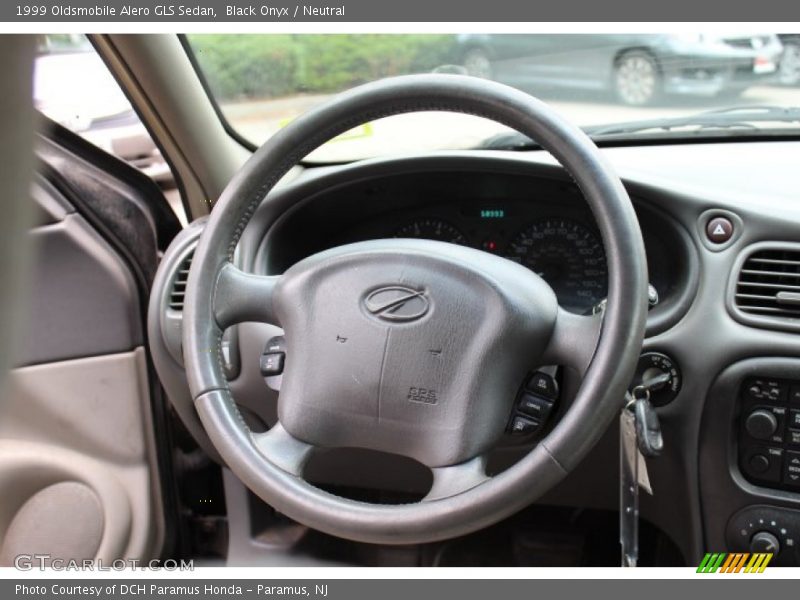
273 357
272 364
275 344
719 230
535 406
524 426
543 385
535 403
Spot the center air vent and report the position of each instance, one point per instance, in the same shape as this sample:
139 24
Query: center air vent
769 284
178 290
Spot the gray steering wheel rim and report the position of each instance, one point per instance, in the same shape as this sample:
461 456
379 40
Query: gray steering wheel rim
604 383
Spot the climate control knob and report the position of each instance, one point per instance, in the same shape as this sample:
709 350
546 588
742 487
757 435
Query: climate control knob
764 541
761 424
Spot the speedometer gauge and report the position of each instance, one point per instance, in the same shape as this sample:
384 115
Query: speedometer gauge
432 229
567 255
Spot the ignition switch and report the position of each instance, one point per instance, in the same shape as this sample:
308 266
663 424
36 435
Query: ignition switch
658 366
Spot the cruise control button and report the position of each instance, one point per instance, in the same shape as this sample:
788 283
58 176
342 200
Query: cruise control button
535 406
275 344
523 425
271 364
543 385
719 230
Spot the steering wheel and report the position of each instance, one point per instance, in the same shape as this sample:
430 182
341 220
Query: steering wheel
412 347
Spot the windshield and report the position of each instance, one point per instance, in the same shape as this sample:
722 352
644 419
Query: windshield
624 85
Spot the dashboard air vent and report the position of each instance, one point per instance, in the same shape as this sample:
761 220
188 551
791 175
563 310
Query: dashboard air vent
179 284
769 284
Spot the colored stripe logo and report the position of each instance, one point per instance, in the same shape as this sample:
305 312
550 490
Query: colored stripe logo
737 562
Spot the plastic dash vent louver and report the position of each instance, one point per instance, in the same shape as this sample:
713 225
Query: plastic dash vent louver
769 284
179 284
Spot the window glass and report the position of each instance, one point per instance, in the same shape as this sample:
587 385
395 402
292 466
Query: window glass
262 82
73 87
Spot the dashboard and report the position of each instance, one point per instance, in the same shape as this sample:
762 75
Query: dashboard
715 471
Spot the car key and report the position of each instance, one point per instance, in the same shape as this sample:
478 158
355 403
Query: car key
648 428
640 436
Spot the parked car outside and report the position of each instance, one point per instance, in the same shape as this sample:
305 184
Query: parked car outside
789 71
638 69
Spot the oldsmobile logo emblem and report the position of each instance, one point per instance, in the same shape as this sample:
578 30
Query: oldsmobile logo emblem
397 303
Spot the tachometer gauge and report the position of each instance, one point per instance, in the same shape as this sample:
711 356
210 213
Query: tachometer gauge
432 229
567 255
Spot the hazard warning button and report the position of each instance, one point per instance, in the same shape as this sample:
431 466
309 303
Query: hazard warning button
719 230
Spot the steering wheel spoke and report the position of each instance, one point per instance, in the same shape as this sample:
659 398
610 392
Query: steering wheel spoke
574 340
241 296
457 479
283 450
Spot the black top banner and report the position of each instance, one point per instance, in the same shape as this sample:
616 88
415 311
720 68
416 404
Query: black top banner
472 11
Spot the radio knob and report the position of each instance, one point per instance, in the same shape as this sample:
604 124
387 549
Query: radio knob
761 424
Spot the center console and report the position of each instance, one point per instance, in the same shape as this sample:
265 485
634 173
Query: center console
769 432
749 449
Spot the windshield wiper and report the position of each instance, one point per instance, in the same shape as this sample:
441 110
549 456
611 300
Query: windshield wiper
744 117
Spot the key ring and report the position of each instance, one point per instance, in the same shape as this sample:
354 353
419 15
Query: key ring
640 392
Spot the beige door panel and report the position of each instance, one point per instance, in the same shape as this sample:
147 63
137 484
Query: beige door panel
87 422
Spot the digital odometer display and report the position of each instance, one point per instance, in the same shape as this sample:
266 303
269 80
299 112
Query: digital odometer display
567 255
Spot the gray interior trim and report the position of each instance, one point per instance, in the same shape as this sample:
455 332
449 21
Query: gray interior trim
165 335
53 207
96 311
246 548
